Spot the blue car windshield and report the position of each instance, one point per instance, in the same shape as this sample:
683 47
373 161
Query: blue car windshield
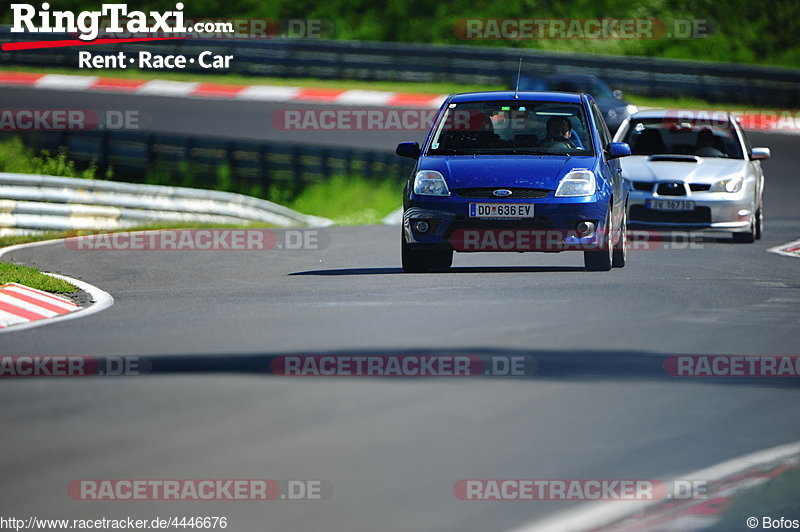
515 127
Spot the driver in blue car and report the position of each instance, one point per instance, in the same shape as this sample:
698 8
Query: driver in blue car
559 129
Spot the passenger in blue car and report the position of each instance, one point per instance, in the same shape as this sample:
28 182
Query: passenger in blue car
559 131
516 126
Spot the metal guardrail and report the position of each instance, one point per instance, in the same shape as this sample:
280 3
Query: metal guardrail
335 59
30 203
249 167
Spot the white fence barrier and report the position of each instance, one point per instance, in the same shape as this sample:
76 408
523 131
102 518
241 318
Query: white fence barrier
31 203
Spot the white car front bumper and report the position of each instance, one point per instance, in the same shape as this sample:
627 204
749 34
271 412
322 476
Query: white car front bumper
714 211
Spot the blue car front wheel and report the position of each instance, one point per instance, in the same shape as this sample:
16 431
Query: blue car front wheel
602 258
425 260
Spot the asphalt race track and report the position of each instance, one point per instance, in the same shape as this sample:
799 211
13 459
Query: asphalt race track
216 118
599 405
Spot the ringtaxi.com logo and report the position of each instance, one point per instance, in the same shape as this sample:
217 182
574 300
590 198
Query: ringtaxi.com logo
202 240
88 23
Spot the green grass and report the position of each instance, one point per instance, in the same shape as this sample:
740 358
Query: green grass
16 158
16 273
779 497
350 200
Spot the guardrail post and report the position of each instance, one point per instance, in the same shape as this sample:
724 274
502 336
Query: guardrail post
264 168
104 151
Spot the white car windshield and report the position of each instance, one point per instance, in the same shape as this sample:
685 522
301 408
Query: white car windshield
655 136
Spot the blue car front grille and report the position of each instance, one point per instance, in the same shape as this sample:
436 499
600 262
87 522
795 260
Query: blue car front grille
516 193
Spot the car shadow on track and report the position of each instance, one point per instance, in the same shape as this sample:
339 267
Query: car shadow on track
454 269
481 362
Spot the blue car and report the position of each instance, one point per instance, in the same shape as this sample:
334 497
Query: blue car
514 172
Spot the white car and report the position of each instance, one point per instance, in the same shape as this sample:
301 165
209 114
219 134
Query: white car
693 170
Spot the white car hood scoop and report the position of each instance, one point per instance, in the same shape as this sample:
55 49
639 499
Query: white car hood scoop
674 158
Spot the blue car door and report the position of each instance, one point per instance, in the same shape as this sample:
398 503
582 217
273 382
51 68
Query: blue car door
611 169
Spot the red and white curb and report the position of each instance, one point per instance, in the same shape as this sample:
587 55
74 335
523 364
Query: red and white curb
22 307
733 477
23 304
792 249
765 121
185 89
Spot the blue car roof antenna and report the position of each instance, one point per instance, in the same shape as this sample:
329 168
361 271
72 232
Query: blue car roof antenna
519 71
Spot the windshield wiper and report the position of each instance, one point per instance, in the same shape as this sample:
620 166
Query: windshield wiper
452 151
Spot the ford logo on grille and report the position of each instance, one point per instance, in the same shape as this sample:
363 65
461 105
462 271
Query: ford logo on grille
502 192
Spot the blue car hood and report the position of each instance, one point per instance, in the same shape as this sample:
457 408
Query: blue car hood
532 171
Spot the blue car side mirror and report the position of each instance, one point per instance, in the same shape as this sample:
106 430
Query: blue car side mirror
408 149
615 150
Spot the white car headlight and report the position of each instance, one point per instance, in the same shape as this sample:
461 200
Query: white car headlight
732 185
577 183
430 183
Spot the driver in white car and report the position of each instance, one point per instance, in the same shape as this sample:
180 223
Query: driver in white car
705 145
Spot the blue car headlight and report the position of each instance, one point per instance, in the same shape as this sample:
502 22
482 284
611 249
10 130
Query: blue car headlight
430 183
577 183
